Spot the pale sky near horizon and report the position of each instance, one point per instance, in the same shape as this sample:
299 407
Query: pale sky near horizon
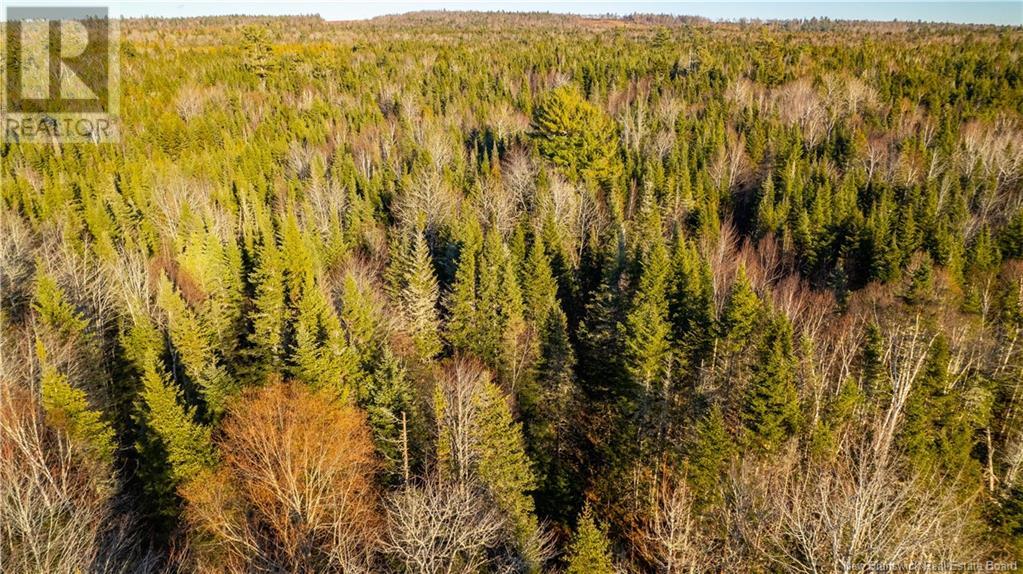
973 12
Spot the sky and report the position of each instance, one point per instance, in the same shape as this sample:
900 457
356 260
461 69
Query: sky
974 12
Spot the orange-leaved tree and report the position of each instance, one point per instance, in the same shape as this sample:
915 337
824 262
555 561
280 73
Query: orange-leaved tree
295 489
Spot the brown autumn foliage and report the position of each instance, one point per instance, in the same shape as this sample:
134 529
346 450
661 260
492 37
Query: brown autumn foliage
295 490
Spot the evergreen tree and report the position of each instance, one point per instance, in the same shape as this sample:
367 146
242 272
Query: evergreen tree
399 261
390 401
539 288
885 255
983 254
707 455
173 447
691 307
299 258
67 409
514 362
544 394
269 314
548 417
188 444
767 219
771 411
53 310
838 413
871 360
937 433
489 330
192 342
486 309
258 51
142 343
740 314
217 269
591 551
462 301
576 135
602 371
921 282
1008 519
1011 237
321 356
478 439
503 465
647 330
419 300
364 333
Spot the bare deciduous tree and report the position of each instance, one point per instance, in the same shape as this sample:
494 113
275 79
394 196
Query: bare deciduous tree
731 165
858 507
797 103
905 353
996 148
56 505
497 205
519 175
427 200
672 539
441 528
858 510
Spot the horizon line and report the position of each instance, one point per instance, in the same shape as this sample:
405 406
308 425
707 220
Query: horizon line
1006 13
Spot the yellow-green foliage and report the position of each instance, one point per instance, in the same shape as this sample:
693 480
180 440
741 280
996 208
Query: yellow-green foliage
503 464
576 135
661 238
54 310
67 409
195 345
590 552
188 445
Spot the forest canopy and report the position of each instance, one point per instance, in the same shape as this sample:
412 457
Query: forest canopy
469 292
